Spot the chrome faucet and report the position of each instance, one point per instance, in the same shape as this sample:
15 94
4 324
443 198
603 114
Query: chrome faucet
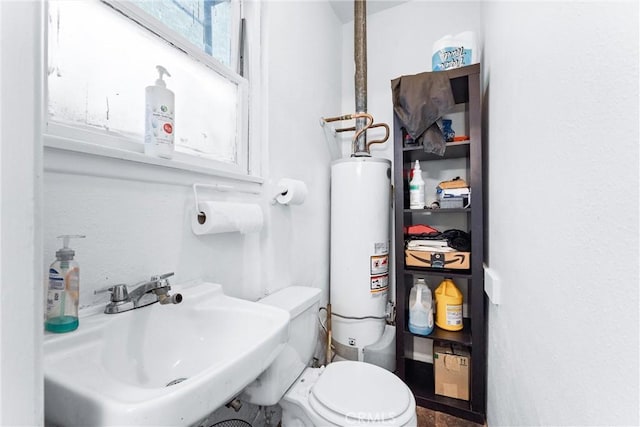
145 293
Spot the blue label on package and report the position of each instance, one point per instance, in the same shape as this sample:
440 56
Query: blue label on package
450 57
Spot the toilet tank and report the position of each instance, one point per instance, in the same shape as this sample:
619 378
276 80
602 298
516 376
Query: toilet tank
302 305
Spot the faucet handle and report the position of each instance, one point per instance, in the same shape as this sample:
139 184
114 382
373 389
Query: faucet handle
119 292
161 277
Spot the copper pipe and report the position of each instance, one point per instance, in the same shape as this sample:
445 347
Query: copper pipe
337 118
351 129
378 141
368 118
348 117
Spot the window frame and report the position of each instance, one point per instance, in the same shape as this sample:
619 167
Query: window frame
111 145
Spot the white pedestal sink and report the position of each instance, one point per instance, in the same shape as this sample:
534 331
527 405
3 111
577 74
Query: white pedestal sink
160 364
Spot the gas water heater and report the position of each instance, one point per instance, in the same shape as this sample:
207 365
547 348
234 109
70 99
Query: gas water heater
360 216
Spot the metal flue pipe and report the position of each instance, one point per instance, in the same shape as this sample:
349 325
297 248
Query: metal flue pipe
360 54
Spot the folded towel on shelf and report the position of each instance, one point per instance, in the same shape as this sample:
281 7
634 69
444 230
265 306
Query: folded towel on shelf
429 245
455 239
420 229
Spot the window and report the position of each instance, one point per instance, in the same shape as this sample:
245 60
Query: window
101 56
207 24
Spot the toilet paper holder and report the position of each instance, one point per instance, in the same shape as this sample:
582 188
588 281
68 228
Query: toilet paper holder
289 192
281 190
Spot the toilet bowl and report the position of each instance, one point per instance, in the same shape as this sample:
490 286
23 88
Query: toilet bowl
344 394
348 394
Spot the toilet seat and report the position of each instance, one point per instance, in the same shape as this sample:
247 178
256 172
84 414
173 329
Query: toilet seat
358 393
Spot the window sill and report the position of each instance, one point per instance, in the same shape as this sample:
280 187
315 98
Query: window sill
62 155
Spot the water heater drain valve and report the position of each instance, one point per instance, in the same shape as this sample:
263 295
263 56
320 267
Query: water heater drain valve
390 313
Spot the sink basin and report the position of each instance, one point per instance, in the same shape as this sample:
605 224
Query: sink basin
160 364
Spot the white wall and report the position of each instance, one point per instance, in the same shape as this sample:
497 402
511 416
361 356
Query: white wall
562 107
302 45
21 386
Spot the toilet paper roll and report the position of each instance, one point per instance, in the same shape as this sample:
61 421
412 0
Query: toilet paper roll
225 217
292 192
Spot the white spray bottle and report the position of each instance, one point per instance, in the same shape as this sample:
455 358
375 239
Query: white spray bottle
416 188
159 118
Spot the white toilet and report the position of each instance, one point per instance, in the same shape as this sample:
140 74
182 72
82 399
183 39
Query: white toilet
342 394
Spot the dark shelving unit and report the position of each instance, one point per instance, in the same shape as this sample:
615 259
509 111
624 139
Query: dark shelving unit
418 374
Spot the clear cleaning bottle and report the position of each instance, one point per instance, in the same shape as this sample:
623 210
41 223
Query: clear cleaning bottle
416 188
420 309
448 306
63 290
159 127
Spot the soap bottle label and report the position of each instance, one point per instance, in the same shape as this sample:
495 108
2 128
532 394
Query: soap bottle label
72 287
416 196
160 124
54 293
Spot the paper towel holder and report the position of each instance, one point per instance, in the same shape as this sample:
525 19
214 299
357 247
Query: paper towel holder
201 216
219 187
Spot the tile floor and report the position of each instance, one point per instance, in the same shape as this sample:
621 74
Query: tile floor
430 418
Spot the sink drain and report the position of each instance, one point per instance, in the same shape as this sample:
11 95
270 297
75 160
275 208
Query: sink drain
174 382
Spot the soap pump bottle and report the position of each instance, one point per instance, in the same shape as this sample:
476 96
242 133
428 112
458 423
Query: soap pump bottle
416 188
159 118
63 290
420 309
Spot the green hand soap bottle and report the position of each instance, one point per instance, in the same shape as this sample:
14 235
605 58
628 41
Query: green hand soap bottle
63 290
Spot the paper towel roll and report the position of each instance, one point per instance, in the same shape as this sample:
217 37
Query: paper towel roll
225 217
291 192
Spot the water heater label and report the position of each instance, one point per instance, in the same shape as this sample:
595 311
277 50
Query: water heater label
379 284
381 248
379 264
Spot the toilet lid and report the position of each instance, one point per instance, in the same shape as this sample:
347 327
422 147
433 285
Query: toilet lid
359 391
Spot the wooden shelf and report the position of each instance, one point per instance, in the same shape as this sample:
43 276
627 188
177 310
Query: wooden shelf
444 272
437 211
454 150
465 85
462 337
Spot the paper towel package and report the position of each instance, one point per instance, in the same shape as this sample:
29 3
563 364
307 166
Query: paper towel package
226 217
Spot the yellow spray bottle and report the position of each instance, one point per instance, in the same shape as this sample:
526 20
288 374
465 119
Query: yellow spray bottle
448 306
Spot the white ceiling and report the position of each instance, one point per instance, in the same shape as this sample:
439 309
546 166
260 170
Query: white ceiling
344 8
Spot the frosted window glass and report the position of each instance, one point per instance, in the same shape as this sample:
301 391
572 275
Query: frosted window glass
100 63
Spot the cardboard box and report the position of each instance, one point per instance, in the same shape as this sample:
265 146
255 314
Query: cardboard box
451 366
454 260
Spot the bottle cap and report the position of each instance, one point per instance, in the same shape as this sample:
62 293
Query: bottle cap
161 72
66 253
